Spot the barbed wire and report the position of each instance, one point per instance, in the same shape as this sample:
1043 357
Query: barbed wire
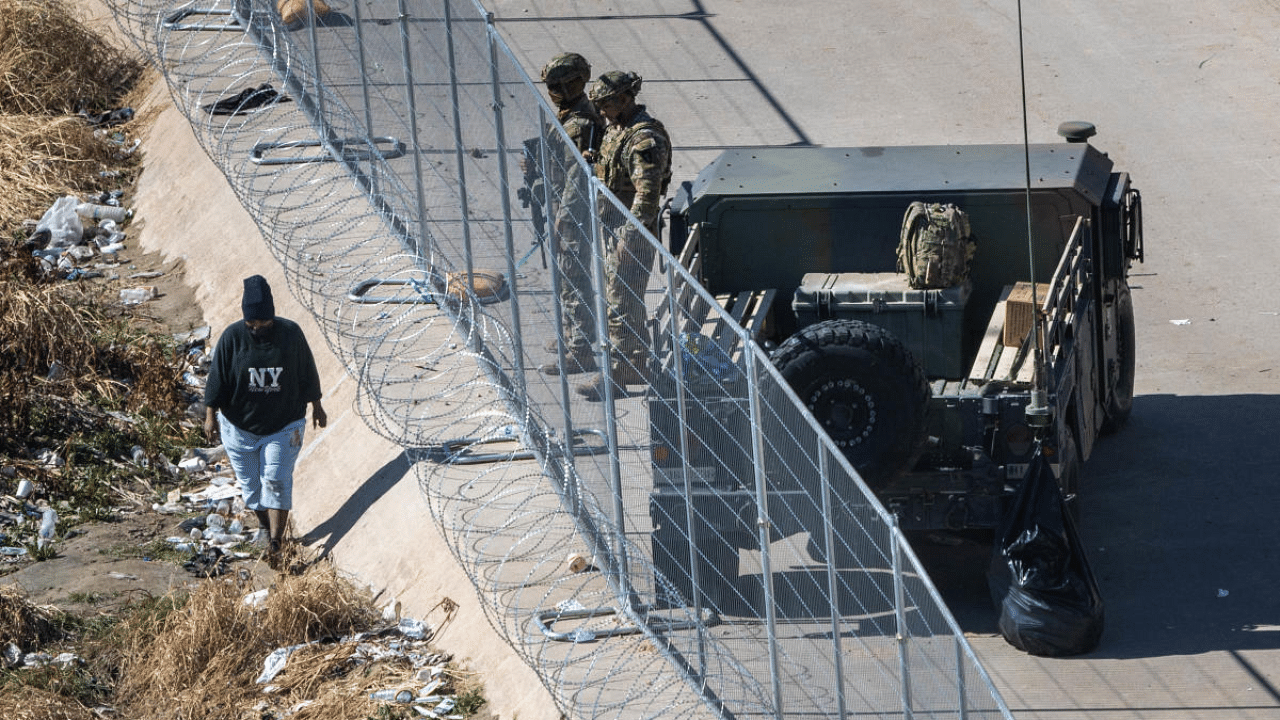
673 552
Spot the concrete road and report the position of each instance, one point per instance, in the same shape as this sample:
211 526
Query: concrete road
1177 508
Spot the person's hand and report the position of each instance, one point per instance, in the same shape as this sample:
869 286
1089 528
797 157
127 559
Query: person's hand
210 429
318 416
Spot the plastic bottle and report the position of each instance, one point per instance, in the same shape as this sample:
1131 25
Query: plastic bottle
135 295
392 695
99 212
47 525
215 521
139 456
24 489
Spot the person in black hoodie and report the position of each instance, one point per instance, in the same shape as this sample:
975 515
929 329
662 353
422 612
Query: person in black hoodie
261 380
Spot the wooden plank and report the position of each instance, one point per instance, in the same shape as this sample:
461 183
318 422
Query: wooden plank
1006 365
979 372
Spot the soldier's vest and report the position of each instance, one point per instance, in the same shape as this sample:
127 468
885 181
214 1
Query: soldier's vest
613 171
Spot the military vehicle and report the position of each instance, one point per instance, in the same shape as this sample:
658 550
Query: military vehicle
938 397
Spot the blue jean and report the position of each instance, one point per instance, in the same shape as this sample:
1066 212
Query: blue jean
263 464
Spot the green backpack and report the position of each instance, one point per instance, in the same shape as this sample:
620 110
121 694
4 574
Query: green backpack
936 245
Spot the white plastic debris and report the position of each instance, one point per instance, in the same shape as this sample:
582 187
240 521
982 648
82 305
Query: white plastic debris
192 465
275 662
122 576
63 224
392 695
50 458
257 598
24 489
391 612
1223 593
414 629
137 295
1183 321
429 689
48 524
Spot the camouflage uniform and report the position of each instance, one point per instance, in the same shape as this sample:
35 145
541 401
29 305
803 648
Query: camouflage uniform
572 222
635 164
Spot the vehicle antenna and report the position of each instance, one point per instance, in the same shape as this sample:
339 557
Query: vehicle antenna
1037 412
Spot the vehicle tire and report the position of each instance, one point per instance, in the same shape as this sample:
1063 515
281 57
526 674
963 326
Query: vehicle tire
864 389
1120 372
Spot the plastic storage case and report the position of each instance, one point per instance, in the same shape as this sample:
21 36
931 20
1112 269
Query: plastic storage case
929 322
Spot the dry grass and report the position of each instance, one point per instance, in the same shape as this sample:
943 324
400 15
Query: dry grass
44 157
28 626
98 359
52 63
53 66
202 660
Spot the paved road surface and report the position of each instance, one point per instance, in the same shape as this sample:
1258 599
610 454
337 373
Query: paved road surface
1178 508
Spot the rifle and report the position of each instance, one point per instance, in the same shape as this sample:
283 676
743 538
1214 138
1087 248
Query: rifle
531 196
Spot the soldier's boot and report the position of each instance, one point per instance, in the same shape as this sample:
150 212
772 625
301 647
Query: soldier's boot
575 361
624 372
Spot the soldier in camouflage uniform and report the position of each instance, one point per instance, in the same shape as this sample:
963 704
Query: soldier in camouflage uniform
635 164
566 77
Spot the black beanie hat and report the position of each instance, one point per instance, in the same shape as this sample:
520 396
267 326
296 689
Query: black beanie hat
257 303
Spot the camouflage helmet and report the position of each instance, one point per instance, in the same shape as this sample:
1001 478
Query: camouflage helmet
565 67
613 83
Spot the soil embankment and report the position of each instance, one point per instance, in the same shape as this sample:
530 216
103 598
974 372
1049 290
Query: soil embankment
357 499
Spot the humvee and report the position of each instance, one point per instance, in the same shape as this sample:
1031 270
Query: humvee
938 397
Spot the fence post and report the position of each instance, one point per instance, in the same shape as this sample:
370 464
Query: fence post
420 240
504 187
833 587
677 363
900 613
763 522
458 147
610 411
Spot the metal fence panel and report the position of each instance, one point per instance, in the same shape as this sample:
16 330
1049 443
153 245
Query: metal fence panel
416 189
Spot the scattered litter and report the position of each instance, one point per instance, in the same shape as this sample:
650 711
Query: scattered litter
392 695
122 576
414 629
207 563
1223 593
50 458
137 295
146 275
109 118
246 100
257 598
275 662
1184 321
391 613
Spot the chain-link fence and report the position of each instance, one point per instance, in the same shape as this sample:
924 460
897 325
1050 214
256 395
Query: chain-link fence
412 182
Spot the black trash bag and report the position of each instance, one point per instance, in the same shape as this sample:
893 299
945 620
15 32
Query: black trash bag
246 100
1039 577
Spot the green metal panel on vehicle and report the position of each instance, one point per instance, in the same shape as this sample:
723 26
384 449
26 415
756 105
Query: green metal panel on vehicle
908 169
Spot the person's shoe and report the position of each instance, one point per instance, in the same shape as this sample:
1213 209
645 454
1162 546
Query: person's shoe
260 537
273 555
622 374
574 362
